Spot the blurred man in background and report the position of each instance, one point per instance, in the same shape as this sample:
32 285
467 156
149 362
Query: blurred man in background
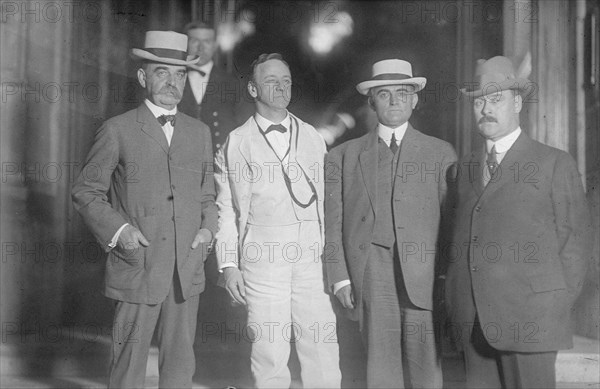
212 95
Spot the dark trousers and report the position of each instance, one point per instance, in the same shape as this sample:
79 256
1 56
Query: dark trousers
399 337
487 367
175 323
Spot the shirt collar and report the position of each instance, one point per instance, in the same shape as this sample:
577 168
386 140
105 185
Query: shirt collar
503 144
386 132
264 123
158 111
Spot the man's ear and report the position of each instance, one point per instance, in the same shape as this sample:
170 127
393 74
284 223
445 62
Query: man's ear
415 100
518 103
141 76
252 89
371 103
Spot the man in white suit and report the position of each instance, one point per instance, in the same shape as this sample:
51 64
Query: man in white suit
270 238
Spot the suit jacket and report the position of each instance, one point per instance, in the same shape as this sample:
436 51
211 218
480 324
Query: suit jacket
418 195
240 180
131 175
519 250
223 107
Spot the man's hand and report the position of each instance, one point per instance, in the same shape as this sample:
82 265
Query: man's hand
130 240
346 296
203 236
234 283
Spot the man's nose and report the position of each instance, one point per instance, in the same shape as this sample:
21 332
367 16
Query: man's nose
484 108
394 99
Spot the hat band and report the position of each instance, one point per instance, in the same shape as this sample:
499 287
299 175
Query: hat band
494 82
168 53
391 76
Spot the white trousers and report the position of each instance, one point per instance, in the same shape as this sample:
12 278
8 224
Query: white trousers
285 291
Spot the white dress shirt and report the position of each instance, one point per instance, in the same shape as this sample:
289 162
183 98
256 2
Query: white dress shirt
159 111
385 133
197 81
168 131
279 141
503 144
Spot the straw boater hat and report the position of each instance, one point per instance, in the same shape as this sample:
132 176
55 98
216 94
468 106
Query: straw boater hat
168 47
391 72
498 74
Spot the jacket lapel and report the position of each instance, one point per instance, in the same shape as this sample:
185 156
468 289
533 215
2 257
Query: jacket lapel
151 127
409 151
181 132
474 170
517 152
368 165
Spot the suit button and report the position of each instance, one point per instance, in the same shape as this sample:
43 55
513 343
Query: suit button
170 198
362 246
474 268
363 218
475 238
173 218
218 145
478 208
217 133
173 187
215 113
216 124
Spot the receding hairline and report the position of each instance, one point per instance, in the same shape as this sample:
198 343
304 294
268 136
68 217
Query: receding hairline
265 58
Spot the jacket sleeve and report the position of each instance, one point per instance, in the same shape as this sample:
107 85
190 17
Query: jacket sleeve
448 197
209 208
335 261
227 234
573 223
90 191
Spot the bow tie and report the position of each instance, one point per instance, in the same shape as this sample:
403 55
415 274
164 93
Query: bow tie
163 119
276 127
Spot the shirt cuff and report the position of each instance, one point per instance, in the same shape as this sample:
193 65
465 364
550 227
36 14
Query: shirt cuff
113 242
226 265
339 285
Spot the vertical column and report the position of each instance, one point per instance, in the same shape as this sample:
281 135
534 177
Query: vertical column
552 72
465 69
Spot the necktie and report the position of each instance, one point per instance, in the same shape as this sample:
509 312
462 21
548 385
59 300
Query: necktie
276 127
492 162
163 119
393 144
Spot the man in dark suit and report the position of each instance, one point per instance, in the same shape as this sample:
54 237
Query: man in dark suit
212 95
384 194
520 245
154 164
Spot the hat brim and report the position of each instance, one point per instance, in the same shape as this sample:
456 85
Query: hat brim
520 84
417 82
143 55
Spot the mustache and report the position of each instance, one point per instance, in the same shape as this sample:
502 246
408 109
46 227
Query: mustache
487 119
170 89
